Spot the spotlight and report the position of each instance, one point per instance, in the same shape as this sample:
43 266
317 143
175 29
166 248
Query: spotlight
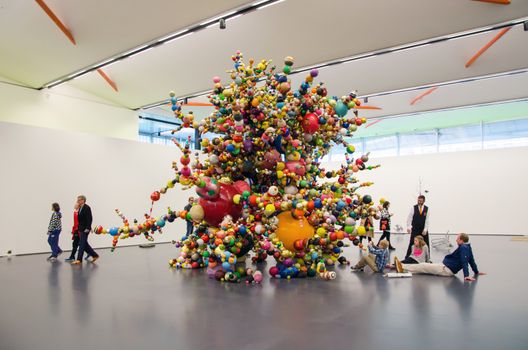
525 26
222 23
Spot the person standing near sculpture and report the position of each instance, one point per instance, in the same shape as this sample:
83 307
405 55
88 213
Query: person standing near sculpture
85 226
418 223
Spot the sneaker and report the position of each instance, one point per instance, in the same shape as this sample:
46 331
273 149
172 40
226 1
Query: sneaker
49 257
391 248
70 259
76 262
355 269
52 258
398 264
94 259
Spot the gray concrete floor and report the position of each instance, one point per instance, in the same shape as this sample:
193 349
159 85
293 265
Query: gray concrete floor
132 300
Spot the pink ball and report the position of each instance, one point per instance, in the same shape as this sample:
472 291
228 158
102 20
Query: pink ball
257 277
216 79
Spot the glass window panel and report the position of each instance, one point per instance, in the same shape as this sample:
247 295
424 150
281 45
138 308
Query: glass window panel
462 138
384 146
418 143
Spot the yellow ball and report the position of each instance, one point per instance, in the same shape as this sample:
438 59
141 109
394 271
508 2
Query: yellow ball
291 229
270 209
361 230
236 199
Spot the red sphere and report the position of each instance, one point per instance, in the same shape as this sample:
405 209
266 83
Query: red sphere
274 271
310 123
216 209
155 196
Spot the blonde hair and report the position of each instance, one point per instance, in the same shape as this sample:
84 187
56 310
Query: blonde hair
421 241
384 244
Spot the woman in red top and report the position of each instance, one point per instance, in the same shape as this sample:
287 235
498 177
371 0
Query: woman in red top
75 232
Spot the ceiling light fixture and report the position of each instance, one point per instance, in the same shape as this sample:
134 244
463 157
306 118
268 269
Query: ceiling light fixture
179 35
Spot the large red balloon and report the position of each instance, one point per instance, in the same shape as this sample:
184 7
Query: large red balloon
216 209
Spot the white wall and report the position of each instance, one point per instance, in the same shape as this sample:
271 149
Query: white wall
482 192
41 166
66 108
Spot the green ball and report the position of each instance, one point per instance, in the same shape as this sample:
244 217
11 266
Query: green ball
246 194
286 69
366 199
349 229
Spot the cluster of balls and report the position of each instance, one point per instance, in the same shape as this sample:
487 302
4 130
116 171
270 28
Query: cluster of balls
262 188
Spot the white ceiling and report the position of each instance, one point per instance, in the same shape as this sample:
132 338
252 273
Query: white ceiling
311 31
34 51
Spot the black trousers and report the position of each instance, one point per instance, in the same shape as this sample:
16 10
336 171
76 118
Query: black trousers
386 234
415 233
84 246
75 245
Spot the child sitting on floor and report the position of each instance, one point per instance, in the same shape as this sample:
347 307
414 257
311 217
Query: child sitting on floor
376 259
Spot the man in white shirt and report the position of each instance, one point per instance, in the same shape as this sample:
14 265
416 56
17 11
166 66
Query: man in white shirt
418 223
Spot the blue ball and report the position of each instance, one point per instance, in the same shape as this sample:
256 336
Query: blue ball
226 266
113 231
160 223
242 230
230 148
318 203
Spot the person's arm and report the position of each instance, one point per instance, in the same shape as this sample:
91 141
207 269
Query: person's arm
50 226
472 263
464 259
409 220
426 226
374 250
88 219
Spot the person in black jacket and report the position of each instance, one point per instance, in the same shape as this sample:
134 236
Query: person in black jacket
85 226
418 223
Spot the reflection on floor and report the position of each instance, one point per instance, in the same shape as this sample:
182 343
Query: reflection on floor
132 300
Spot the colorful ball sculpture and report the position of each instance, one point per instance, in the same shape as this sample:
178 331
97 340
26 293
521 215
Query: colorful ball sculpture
262 188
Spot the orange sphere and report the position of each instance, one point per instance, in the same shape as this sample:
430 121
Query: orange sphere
291 229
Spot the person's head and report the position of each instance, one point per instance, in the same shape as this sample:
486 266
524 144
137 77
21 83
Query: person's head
386 204
191 200
55 207
419 241
384 244
421 199
462 238
81 199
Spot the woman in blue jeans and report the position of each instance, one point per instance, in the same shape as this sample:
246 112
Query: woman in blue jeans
54 230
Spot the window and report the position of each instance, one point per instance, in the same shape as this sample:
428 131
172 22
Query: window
462 138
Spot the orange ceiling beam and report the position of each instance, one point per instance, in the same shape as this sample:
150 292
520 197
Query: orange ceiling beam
487 46
367 107
500 2
108 80
373 123
56 20
422 95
